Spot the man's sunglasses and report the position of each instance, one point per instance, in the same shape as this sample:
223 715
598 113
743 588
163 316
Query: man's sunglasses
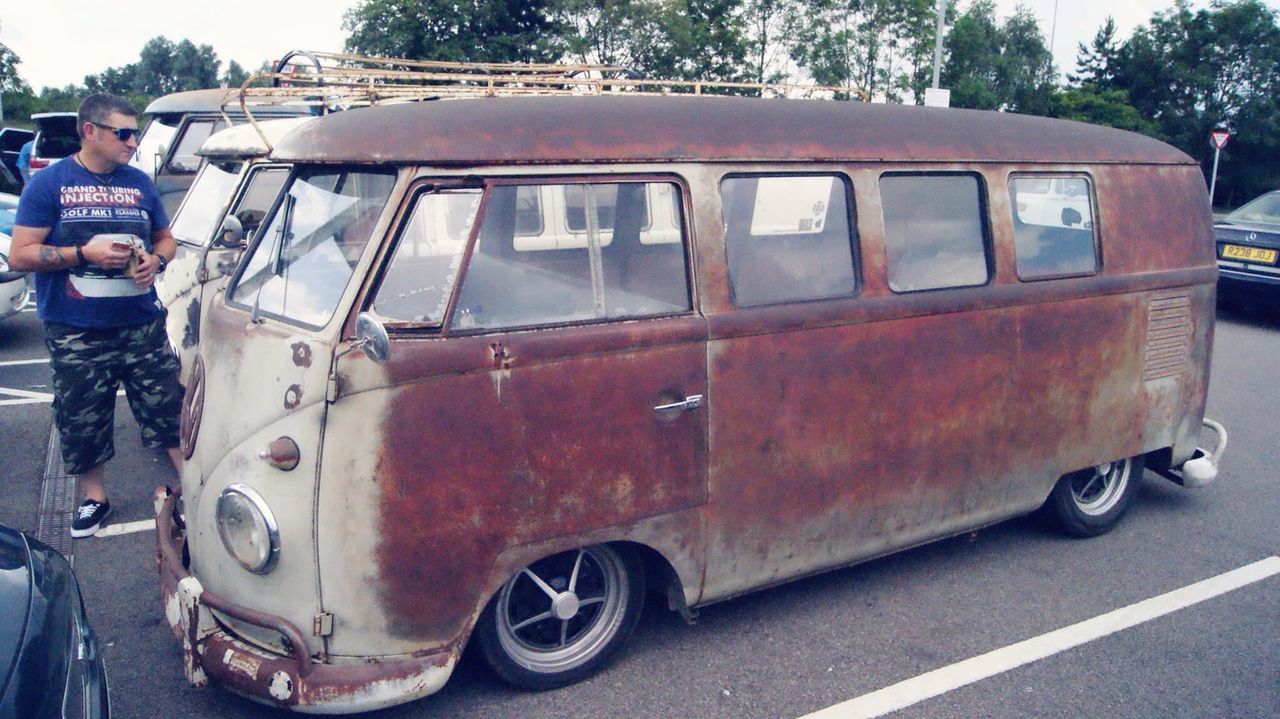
121 133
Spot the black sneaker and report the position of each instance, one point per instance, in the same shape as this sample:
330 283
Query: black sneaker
89 516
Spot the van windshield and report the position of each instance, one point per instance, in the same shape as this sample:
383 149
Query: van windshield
300 266
193 224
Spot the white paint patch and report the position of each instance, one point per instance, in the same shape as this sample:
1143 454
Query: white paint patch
112 530
940 681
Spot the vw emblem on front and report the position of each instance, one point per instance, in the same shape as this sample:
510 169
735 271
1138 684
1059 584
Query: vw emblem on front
1253 236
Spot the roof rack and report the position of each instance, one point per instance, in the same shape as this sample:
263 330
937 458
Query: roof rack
329 81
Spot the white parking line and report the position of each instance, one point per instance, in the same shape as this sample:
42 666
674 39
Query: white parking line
14 363
112 530
27 397
940 681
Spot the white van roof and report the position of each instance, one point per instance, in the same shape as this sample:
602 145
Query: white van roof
244 141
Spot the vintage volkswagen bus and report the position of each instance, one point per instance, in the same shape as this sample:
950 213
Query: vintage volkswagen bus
179 124
233 189
495 370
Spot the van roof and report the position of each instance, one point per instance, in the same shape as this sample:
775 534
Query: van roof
502 130
215 99
243 140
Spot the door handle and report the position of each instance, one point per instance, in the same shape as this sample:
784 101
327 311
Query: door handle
690 402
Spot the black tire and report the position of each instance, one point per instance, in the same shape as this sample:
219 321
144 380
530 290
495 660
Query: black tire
561 619
1092 501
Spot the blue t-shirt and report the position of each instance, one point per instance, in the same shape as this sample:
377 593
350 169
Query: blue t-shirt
78 205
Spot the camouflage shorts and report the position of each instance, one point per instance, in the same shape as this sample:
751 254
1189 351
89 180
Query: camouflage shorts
88 367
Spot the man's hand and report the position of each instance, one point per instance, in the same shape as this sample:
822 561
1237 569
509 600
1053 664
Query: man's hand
107 255
147 266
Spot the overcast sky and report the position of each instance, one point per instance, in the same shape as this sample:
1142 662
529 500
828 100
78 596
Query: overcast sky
61 41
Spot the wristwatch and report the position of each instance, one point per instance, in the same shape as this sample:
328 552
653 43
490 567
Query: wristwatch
163 263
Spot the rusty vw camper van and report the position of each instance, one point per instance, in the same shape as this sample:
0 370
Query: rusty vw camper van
499 370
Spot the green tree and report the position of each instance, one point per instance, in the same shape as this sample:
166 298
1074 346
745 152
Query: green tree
657 39
875 46
1101 106
998 67
235 75
1095 63
10 80
1192 70
770 28
462 30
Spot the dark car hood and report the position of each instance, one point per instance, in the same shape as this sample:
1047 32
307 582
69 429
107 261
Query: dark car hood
1250 234
15 599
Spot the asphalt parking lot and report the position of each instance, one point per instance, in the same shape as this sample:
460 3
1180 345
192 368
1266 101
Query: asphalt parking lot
926 621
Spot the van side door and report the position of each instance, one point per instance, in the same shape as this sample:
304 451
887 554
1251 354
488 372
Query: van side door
544 390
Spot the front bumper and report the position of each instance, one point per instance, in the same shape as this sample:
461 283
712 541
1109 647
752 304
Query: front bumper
295 681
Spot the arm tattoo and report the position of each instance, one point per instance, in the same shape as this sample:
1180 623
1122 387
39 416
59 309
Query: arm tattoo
51 256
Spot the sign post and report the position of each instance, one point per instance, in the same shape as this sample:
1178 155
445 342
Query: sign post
1218 138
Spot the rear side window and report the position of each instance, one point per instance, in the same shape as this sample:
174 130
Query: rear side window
600 254
934 233
787 238
1053 226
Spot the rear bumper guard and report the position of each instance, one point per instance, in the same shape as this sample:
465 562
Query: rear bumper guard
292 681
1202 468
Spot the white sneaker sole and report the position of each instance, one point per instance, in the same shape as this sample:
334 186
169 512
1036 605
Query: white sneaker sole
90 531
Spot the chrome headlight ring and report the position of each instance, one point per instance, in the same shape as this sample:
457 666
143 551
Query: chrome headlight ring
247 528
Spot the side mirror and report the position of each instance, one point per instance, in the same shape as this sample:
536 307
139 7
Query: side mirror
158 160
371 338
1070 217
231 235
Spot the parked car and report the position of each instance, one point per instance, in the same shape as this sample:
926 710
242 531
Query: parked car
49 660
11 141
1249 252
8 212
15 287
56 138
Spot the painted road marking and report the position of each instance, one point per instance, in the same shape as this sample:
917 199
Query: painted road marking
112 530
14 363
27 397
940 681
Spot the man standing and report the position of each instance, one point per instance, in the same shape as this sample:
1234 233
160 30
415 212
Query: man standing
93 230
24 160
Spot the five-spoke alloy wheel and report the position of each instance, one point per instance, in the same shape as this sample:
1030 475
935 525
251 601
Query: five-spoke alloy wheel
1091 501
559 619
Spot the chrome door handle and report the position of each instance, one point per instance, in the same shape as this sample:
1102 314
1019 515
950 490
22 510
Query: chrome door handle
690 402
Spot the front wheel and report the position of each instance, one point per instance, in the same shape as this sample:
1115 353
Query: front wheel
560 619
1092 501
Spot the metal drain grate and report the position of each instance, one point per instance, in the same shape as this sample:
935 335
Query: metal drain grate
57 499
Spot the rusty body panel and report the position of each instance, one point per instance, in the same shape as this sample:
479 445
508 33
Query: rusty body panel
832 431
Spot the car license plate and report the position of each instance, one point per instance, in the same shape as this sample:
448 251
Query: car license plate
1249 254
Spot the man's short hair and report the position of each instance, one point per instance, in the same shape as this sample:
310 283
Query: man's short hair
97 108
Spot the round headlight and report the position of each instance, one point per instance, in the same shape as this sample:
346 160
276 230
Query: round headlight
248 529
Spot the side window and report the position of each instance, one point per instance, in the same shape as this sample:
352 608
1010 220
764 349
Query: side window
184 157
787 238
420 278
1053 226
259 194
934 233
606 271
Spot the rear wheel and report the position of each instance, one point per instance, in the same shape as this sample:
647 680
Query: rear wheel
560 619
1092 501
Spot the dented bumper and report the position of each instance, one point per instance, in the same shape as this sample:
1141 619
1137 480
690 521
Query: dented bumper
296 681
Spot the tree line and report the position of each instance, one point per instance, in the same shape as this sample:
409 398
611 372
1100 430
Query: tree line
1176 77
